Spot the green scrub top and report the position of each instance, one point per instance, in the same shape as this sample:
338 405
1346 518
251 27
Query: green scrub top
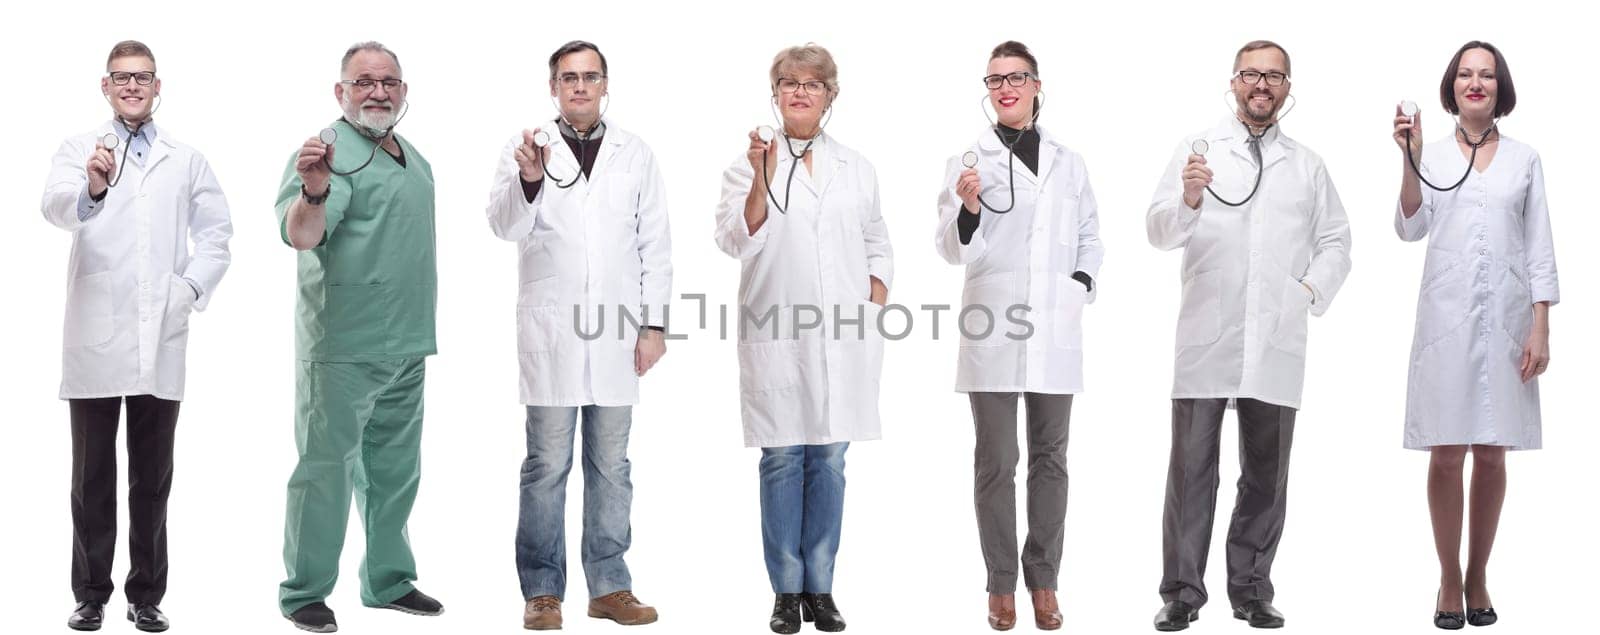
368 291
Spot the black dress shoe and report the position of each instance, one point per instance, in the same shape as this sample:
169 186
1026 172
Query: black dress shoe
415 603
819 607
148 618
786 613
1259 613
1449 620
87 616
1175 616
1482 617
315 617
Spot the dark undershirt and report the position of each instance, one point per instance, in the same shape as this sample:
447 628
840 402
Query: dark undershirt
585 152
1026 147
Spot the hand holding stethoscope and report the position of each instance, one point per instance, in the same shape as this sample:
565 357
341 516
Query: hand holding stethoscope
1408 135
102 164
1196 175
532 154
763 155
314 162
969 184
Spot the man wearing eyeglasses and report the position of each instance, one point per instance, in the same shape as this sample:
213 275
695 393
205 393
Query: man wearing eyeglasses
134 199
360 211
1256 261
587 209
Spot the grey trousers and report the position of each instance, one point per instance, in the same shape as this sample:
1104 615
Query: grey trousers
1265 433
994 490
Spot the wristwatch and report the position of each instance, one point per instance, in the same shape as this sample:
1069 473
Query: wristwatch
318 199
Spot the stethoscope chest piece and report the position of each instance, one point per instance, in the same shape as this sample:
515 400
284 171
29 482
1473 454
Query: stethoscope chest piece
970 159
1200 146
328 136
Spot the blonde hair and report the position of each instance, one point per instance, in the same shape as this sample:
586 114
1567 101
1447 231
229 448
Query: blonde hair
810 57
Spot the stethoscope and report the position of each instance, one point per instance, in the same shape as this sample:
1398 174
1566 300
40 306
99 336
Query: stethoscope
542 140
1201 147
1409 109
970 159
110 140
329 135
767 134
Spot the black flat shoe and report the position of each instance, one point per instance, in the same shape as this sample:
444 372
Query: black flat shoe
1447 620
819 607
87 616
415 603
1482 617
1175 616
1259 613
786 613
147 618
315 617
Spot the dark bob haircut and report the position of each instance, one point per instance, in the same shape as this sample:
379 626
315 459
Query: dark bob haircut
1506 93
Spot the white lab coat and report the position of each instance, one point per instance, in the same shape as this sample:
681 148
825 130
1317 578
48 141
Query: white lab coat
1026 256
127 317
1490 258
598 249
809 386
1242 326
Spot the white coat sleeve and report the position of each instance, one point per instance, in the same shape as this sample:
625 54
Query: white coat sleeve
875 233
65 183
210 229
733 233
1538 240
1091 253
1170 222
655 243
511 216
947 240
1330 251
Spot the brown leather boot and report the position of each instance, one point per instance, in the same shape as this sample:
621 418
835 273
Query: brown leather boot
621 607
1002 611
542 613
1046 612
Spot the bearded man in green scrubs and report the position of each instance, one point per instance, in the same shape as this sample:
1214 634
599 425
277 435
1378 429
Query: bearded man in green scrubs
364 326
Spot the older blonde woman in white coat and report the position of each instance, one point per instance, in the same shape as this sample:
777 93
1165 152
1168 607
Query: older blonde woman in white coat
815 270
1483 332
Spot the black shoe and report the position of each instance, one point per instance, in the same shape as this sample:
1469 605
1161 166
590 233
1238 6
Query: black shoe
1447 620
1259 613
315 617
1175 616
147 618
819 607
416 603
87 616
1482 617
786 613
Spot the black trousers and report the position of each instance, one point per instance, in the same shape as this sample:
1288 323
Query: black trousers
151 424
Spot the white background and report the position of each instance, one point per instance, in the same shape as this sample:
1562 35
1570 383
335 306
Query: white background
246 85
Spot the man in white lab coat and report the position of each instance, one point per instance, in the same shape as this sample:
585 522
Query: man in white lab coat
1256 262
134 199
585 203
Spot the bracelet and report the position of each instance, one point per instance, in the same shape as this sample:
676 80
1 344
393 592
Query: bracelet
318 199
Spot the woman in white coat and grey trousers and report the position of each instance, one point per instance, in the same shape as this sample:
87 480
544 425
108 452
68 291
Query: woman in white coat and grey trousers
1483 332
1038 246
815 271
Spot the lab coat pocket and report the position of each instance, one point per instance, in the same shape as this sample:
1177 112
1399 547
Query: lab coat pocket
175 319
1066 220
1068 313
768 366
1200 318
621 195
537 328
1294 306
89 311
1516 306
982 313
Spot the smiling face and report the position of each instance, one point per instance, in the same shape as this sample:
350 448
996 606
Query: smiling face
375 107
132 101
1259 102
1013 104
578 99
1476 87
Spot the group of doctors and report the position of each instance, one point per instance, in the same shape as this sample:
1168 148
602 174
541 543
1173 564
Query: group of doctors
1265 245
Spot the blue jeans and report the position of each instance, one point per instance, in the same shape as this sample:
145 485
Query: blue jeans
802 506
607 498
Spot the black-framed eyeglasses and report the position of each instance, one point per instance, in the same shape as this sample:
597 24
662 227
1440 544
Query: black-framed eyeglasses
366 83
142 78
571 79
813 87
1274 78
1016 79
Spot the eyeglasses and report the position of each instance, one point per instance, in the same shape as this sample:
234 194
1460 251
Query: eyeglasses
813 87
1018 78
570 80
1252 78
142 78
366 84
